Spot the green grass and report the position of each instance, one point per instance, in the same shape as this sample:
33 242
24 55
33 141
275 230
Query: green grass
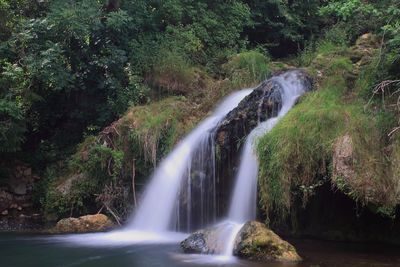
297 150
247 68
296 156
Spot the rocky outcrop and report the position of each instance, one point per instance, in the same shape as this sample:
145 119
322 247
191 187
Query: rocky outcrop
88 223
256 242
263 103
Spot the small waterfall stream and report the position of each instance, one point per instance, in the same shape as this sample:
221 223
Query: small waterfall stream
243 205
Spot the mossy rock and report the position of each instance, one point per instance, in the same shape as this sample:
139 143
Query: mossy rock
84 224
256 242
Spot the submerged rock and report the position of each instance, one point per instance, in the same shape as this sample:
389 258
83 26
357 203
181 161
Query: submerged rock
256 242
88 223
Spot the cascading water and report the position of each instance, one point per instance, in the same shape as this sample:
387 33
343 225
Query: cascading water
157 207
185 182
244 199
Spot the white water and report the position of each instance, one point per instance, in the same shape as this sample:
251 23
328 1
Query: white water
157 206
243 205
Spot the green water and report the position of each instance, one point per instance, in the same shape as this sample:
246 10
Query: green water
18 250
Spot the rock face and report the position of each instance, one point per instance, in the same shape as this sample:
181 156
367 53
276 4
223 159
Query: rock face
88 223
256 242
263 103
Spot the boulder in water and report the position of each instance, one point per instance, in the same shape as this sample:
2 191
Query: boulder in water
88 223
256 242
211 240
195 244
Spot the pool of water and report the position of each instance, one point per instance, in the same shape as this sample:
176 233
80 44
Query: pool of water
17 250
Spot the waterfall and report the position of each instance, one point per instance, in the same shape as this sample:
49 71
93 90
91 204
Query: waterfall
159 202
183 186
243 205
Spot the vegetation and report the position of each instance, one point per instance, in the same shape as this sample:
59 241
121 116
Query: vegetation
104 88
297 155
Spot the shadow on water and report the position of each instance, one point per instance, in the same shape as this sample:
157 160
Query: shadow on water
22 250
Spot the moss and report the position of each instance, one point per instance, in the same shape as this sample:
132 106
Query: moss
256 242
298 148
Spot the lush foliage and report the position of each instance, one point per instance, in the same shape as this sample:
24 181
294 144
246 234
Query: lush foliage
296 156
68 68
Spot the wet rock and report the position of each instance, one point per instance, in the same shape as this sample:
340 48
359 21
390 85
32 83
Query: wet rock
88 223
263 103
256 242
4 212
211 240
195 244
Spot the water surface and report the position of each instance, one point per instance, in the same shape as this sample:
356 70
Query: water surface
17 250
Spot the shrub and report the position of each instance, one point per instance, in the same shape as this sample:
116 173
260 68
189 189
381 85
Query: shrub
173 73
247 68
